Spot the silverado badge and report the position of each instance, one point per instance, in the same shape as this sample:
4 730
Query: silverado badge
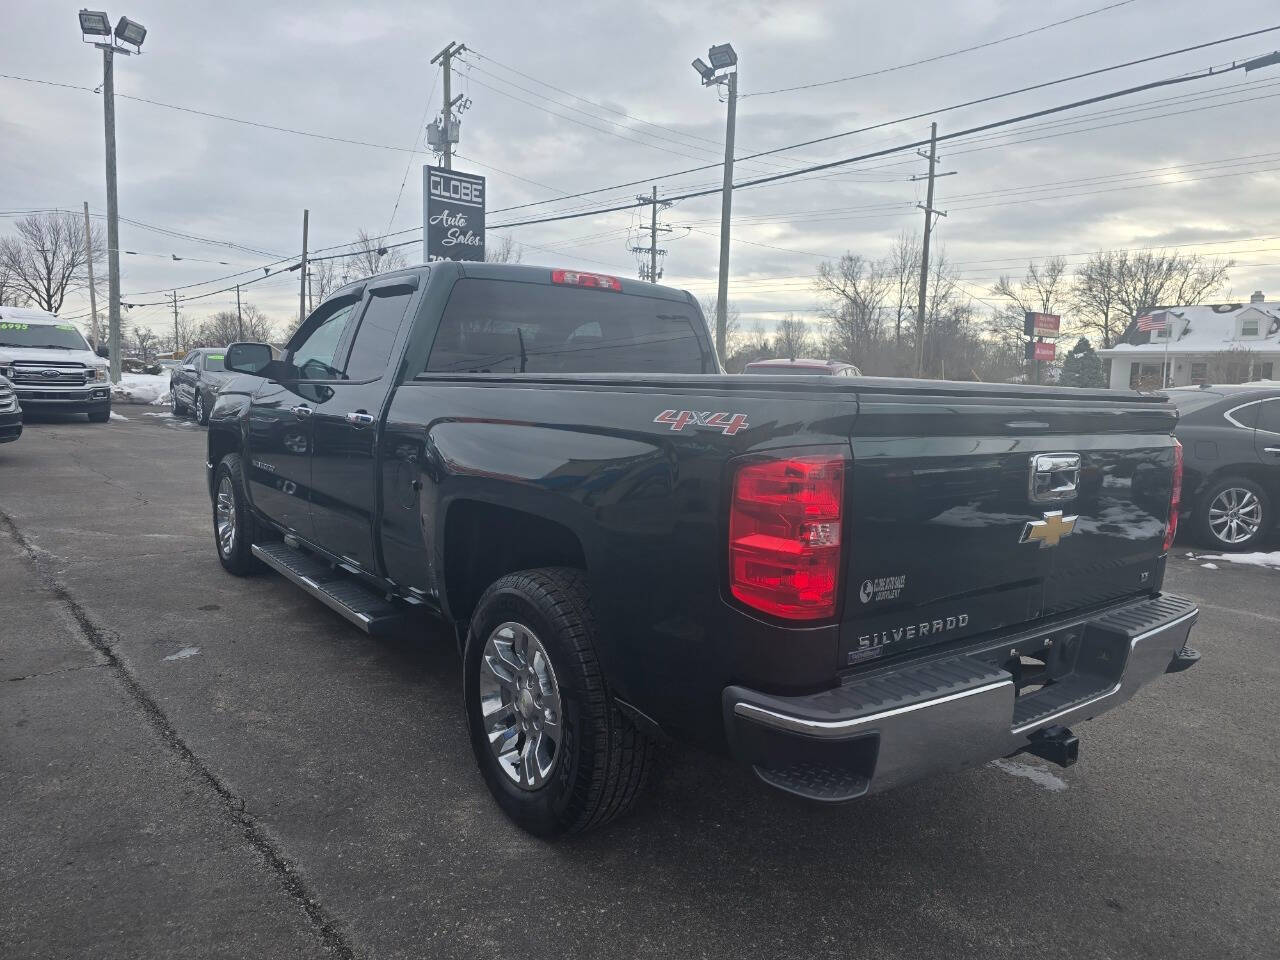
1050 530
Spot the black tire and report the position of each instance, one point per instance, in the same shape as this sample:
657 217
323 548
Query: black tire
603 761
1204 523
201 409
179 408
238 557
100 416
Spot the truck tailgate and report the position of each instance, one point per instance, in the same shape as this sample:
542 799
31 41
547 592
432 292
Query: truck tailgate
941 547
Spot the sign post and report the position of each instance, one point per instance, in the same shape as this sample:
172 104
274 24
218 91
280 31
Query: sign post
453 215
1036 325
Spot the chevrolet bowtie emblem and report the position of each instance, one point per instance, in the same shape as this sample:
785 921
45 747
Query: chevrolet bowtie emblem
1050 530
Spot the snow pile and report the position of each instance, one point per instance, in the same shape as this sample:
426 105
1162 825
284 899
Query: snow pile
141 388
1270 561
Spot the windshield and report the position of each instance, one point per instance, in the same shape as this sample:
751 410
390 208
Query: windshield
215 362
60 336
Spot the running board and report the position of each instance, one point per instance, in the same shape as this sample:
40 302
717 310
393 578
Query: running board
337 591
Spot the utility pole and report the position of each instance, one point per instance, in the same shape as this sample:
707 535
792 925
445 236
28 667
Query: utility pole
649 271
302 279
176 346
113 222
445 59
93 294
929 214
726 205
239 315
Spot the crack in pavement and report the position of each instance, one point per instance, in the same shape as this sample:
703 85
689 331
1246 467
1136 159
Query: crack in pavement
54 673
326 926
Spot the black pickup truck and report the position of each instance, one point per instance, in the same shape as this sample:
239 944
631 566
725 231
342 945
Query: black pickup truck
845 582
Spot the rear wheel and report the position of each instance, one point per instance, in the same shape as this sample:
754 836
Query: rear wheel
554 749
1234 514
234 529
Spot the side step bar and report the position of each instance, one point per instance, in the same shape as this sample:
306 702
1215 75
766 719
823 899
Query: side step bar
340 593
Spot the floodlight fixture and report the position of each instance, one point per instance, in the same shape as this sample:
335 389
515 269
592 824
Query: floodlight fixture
722 56
706 71
131 32
95 23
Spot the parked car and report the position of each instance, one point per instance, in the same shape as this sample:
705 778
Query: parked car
10 413
1231 441
195 382
51 366
808 368
847 584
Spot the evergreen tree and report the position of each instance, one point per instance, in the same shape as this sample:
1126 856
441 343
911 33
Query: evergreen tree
1082 367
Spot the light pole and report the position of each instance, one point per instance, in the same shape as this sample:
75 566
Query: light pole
723 57
96 23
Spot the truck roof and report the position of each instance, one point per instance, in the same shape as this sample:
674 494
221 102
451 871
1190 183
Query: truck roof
28 315
527 273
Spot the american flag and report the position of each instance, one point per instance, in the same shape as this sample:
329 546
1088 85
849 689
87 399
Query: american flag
1153 321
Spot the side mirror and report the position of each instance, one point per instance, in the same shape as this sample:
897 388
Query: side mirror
189 367
248 357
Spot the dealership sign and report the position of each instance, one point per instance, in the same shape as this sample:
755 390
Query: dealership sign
453 215
1037 350
1041 324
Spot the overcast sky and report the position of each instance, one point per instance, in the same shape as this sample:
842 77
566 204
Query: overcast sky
1190 164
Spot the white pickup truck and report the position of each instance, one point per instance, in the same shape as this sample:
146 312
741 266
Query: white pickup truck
51 365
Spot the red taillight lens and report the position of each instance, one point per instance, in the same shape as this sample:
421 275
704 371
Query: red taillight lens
596 281
1175 496
784 536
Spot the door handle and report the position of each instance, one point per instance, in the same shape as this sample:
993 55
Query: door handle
302 411
1271 450
359 419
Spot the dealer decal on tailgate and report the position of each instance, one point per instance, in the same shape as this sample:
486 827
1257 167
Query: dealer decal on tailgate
726 423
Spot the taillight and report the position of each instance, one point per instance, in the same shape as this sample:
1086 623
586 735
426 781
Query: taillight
784 536
1175 496
596 281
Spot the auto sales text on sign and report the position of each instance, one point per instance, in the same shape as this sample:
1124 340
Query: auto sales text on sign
453 215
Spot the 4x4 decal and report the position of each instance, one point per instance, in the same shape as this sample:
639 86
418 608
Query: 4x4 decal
726 423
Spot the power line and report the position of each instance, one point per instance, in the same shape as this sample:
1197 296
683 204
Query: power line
940 56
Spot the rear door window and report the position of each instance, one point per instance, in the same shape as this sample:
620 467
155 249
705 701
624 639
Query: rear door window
502 326
377 334
1269 415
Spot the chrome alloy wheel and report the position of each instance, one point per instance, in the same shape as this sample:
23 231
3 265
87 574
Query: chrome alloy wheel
199 408
520 704
224 516
1235 515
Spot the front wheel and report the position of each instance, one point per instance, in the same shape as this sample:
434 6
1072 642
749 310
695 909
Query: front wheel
200 411
100 416
554 749
233 524
179 408
1234 514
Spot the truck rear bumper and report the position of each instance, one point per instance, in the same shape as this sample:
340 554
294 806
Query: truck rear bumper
898 724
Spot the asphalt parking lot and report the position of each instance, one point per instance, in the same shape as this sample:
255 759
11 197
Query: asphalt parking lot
198 766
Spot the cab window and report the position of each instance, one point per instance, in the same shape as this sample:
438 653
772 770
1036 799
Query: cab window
313 356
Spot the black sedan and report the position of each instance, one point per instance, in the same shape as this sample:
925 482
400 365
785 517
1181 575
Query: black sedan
196 381
1231 462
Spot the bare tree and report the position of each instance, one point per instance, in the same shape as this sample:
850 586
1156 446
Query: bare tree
371 257
326 277
505 252
732 319
47 259
9 294
853 291
791 338
1114 288
1045 288
1095 298
903 267
224 327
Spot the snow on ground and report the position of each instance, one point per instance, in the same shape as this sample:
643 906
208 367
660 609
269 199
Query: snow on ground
1269 560
141 388
116 416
